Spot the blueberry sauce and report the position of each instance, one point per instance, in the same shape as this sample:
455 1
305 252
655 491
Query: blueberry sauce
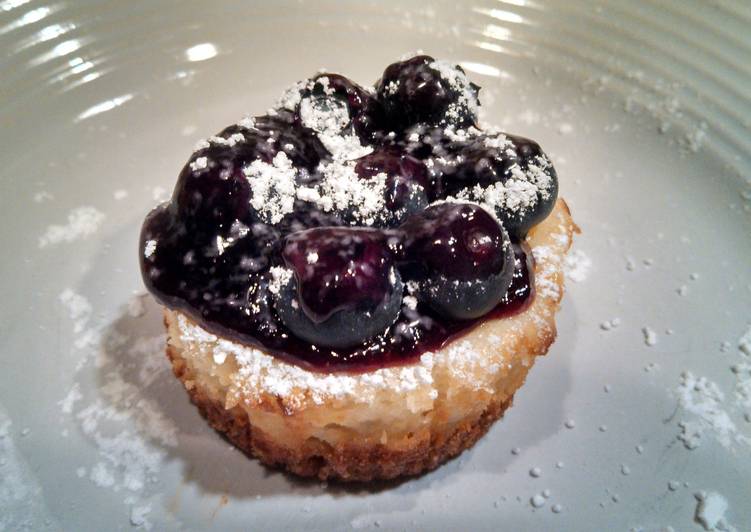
352 228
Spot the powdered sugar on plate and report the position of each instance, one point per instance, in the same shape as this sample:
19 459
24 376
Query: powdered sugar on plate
709 413
710 512
650 336
577 265
78 307
82 223
119 416
742 372
744 342
21 502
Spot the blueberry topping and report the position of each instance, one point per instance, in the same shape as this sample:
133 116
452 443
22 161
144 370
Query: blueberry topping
344 329
463 257
246 250
512 170
422 90
346 106
344 288
406 181
272 134
349 92
339 268
351 228
212 189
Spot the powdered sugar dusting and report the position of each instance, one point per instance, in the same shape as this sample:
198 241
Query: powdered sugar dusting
742 372
650 336
459 82
273 187
261 372
710 512
345 147
82 223
290 98
119 416
41 197
78 307
744 342
705 401
327 116
518 194
21 498
280 277
544 280
577 266
200 163
127 460
69 401
342 189
138 516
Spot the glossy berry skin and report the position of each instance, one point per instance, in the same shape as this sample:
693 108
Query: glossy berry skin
413 91
344 283
212 189
247 250
343 329
463 257
407 181
338 86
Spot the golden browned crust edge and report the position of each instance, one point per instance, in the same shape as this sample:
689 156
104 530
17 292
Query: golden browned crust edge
346 462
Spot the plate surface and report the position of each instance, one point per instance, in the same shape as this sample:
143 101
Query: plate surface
644 108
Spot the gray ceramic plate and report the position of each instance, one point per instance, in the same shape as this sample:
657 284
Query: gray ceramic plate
644 107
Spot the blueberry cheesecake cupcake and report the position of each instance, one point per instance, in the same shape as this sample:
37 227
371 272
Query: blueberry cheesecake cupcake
356 283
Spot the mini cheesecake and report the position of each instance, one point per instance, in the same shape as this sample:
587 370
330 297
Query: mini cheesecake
356 284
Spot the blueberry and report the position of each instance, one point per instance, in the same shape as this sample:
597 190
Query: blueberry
421 90
344 288
245 250
212 190
350 92
280 132
307 215
160 234
523 279
461 256
171 264
324 111
426 142
528 178
370 123
406 181
329 92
